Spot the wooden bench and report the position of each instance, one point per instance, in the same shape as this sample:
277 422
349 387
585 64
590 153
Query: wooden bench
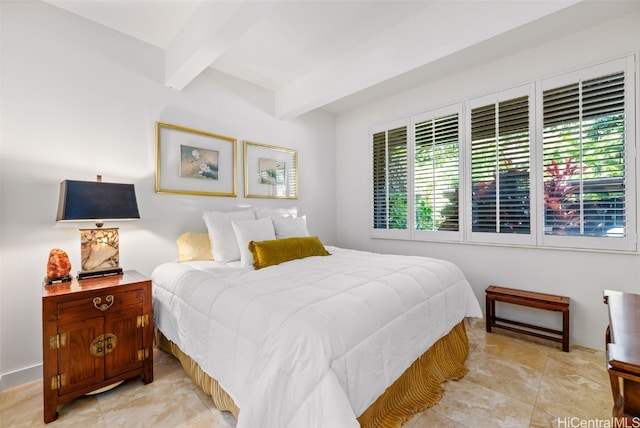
531 299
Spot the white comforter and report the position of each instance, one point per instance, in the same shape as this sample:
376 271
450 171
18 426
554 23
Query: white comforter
311 342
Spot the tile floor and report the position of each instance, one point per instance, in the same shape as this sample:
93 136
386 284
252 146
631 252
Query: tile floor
514 381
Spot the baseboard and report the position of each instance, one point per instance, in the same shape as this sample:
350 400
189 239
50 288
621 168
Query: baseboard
20 377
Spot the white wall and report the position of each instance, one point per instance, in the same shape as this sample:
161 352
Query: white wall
79 100
580 275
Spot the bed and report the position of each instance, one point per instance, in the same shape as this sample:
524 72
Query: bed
343 339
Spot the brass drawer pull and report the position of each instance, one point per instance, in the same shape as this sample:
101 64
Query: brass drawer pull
97 302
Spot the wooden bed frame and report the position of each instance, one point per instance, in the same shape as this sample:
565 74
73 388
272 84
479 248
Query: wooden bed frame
417 389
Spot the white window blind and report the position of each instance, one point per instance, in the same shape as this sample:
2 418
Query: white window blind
585 158
436 174
500 167
390 195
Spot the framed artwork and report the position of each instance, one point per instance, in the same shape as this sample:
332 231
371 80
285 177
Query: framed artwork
270 171
193 162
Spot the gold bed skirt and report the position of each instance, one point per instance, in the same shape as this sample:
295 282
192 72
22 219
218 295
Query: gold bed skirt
417 389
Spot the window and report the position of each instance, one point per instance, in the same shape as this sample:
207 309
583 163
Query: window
499 138
585 147
550 163
500 166
390 202
436 174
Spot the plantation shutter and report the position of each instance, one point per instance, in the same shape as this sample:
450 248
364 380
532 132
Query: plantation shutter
380 180
584 158
390 179
436 174
500 167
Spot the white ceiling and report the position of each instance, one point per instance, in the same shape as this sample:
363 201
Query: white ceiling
337 54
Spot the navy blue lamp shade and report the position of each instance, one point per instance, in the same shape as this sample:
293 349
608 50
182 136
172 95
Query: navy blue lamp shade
95 200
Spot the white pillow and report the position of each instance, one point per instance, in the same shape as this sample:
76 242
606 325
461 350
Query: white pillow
224 244
252 230
276 212
289 227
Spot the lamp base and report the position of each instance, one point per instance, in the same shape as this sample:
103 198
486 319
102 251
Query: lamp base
99 273
57 279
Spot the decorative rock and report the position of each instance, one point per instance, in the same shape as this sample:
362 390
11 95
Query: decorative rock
58 264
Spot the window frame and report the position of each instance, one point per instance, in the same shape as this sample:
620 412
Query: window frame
388 233
497 237
439 235
629 241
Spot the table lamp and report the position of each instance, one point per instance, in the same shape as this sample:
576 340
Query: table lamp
98 202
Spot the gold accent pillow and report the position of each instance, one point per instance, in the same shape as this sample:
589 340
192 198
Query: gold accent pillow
194 246
273 252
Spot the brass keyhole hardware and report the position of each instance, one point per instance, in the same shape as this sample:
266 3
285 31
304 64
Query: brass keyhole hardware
103 344
97 302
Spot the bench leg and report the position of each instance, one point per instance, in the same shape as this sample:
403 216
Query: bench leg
565 331
490 312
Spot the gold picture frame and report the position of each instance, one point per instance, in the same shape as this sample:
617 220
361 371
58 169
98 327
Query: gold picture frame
194 162
270 171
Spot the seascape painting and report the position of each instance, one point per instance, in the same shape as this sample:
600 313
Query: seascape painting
198 163
271 171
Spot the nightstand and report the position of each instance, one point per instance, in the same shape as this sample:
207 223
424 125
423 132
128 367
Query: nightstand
95 332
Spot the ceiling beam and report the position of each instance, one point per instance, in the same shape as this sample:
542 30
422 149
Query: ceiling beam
453 25
212 28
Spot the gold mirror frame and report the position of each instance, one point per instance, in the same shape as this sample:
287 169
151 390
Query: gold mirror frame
173 141
269 171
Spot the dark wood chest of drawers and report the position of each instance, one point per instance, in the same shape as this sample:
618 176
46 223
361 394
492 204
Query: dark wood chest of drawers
623 355
96 332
